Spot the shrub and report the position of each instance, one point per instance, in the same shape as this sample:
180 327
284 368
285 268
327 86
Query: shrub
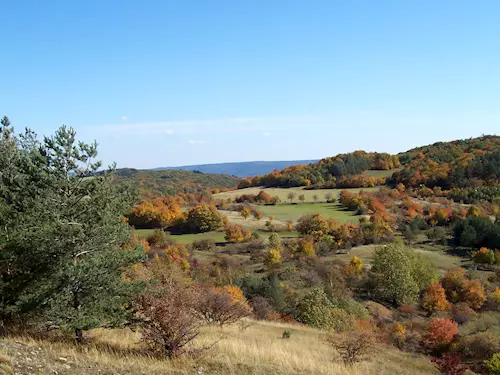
434 298
236 233
484 256
261 307
286 334
440 333
493 365
479 347
462 313
158 238
450 364
169 324
218 306
353 347
204 245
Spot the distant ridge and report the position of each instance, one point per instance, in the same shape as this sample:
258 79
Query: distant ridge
239 169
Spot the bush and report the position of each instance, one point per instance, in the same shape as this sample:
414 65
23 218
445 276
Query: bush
353 347
437 234
316 310
236 234
261 307
450 364
462 313
440 333
286 334
479 347
169 325
216 306
493 365
158 238
204 245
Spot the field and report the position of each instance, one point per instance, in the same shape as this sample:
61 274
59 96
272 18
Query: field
249 348
380 174
282 193
293 212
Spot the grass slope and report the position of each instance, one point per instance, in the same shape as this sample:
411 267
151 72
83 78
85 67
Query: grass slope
252 348
293 212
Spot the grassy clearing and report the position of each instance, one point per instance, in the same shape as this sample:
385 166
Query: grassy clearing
253 348
283 193
380 174
293 212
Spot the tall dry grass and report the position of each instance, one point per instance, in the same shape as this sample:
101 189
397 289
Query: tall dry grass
250 348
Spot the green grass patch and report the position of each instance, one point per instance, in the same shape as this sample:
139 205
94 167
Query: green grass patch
380 174
190 238
282 193
293 212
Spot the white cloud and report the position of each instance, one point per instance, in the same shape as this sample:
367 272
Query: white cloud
124 118
193 142
169 132
266 134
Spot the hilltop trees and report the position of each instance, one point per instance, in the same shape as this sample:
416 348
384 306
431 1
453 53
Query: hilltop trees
61 234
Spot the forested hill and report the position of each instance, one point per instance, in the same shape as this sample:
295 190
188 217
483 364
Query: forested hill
170 182
240 169
327 171
473 162
469 163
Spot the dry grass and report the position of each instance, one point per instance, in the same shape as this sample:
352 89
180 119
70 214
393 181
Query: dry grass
253 348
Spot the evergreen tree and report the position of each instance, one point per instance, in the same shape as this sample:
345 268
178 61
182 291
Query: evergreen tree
62 234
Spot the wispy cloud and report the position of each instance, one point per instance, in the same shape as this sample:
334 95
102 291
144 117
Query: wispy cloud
258 125
193 142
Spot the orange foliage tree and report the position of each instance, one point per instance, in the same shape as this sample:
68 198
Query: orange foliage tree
440 333
154 213
434 298
236 233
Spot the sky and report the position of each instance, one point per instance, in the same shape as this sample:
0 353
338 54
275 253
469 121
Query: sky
167 83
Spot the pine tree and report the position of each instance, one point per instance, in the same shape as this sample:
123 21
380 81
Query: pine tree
61 234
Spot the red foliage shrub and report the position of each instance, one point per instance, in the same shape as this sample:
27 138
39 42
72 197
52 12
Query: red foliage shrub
450 364
440 333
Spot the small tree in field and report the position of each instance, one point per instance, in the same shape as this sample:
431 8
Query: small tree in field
353 347
329 197
169 323
217 306
291 196
434 298
302 198
315 198
440 333
246 212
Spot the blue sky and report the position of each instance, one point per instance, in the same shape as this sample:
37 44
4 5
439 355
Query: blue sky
161 83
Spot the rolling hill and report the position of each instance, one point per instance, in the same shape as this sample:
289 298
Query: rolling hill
239 169
171 182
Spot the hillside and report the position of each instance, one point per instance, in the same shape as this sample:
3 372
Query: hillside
473 162
470 162
240 169
170 182
327 171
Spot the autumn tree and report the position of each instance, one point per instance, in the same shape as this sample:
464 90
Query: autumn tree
355 268
291 196
236 233
329 197
203 218
440 333
315 198
154 213
257 215
245 212
302 198
434 298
